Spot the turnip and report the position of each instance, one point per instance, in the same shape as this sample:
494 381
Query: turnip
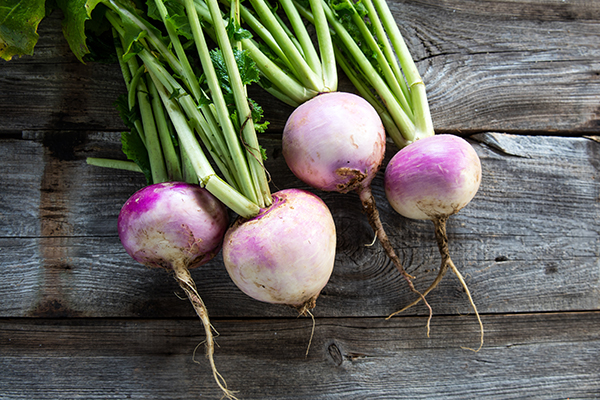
176 226
434 178
272 261
336 142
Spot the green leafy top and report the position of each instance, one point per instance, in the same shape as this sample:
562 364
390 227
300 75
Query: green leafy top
19 20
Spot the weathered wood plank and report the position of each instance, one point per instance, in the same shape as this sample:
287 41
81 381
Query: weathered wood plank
507 65
519 66
526 356
528 242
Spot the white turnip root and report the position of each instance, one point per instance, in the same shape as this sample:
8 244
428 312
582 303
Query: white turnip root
336 142
176 226
284 255
433 178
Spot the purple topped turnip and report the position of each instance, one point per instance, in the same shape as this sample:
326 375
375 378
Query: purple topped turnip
176 226
284 255
434 178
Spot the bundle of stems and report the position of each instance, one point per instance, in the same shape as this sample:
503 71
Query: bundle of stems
362 38
175 110
297 68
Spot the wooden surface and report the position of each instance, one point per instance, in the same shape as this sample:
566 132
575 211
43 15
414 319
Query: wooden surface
520 79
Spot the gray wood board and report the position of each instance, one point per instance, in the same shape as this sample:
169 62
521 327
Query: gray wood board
542 356
528 242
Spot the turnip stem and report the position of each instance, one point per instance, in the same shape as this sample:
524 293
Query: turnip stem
115 164
233 145
186 68
151 35
157 162
206 175
248 133
326 50
301 35
172 160
289 89
388 50
185 281
423 121
304 73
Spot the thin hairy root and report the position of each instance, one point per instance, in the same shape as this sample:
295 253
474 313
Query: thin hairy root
442 241
368 201
464 285
437 280
183 277
312 332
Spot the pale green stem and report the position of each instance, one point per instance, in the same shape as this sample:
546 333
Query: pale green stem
172 160
186 68
115 164
301 34
387 49
250 141
330 78
155 40
207 128
206 175
305 73
423 121
235 149
291 91
388 74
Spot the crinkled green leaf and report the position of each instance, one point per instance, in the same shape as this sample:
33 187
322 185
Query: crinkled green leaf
257 116
236 32
181 25
19 20
345 10
177 16
73 25
249 73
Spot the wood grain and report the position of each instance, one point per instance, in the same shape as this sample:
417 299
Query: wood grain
80 319
527 356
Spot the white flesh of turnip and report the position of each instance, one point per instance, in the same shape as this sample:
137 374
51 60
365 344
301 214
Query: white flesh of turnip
285 255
